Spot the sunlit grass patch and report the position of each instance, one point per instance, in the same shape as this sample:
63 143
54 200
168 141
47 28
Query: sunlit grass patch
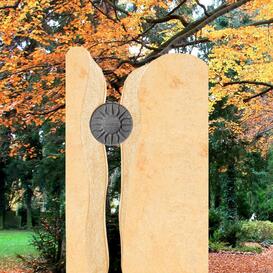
13 243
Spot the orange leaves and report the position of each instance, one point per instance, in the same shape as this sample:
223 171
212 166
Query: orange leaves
245 54
18 148
237 262
264 8
36 37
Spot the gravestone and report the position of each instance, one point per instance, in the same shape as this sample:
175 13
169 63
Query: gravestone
86 167
164 193
164 205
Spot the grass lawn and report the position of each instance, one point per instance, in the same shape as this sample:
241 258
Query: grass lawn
13 242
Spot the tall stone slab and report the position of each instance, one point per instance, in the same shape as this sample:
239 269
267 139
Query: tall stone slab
86 167
164 204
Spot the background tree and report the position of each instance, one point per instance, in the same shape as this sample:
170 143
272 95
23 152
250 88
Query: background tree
25 149
233 36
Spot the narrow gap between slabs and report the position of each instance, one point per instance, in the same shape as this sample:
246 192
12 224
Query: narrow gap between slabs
112 208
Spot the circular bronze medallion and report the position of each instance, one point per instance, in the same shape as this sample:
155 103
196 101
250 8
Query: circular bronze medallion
111 123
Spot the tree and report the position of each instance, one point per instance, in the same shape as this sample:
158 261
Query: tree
265 194
241 68
4 148
2 198
21 166
49 174
37 34
233 36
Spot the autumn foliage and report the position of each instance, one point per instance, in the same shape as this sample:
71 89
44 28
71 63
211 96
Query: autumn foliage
122 35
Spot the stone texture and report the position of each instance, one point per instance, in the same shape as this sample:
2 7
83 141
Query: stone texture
86 167
164 205
111 123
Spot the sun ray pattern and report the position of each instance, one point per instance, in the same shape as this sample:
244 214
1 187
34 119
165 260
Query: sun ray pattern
111 123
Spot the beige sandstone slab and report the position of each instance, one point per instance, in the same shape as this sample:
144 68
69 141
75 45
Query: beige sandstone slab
164 205
163 214
86 167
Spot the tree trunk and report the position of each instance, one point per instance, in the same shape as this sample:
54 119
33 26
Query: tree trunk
231 193
1 221
28 206
63 254
2 198
29 218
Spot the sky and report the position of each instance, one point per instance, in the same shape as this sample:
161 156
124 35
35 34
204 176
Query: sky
207 2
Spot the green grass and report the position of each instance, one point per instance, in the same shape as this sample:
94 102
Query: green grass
13 242
253 249
221 246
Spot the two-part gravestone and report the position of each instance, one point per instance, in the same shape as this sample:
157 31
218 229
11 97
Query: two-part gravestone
163 127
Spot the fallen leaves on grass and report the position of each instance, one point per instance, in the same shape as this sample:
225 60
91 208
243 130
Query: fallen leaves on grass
223 262
10 265
241 263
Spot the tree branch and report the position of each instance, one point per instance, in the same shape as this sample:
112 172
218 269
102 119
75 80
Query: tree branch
116 7
44 113
154 24
170 16
191 29
269 85
203 7
262 22
15 6
260 134
206 40
195 42
178 6
249 82
102 12
258 95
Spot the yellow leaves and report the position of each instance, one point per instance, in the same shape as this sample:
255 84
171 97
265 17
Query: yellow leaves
215 35
147 7
35 77
40 36
32 3
264 8
243 54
